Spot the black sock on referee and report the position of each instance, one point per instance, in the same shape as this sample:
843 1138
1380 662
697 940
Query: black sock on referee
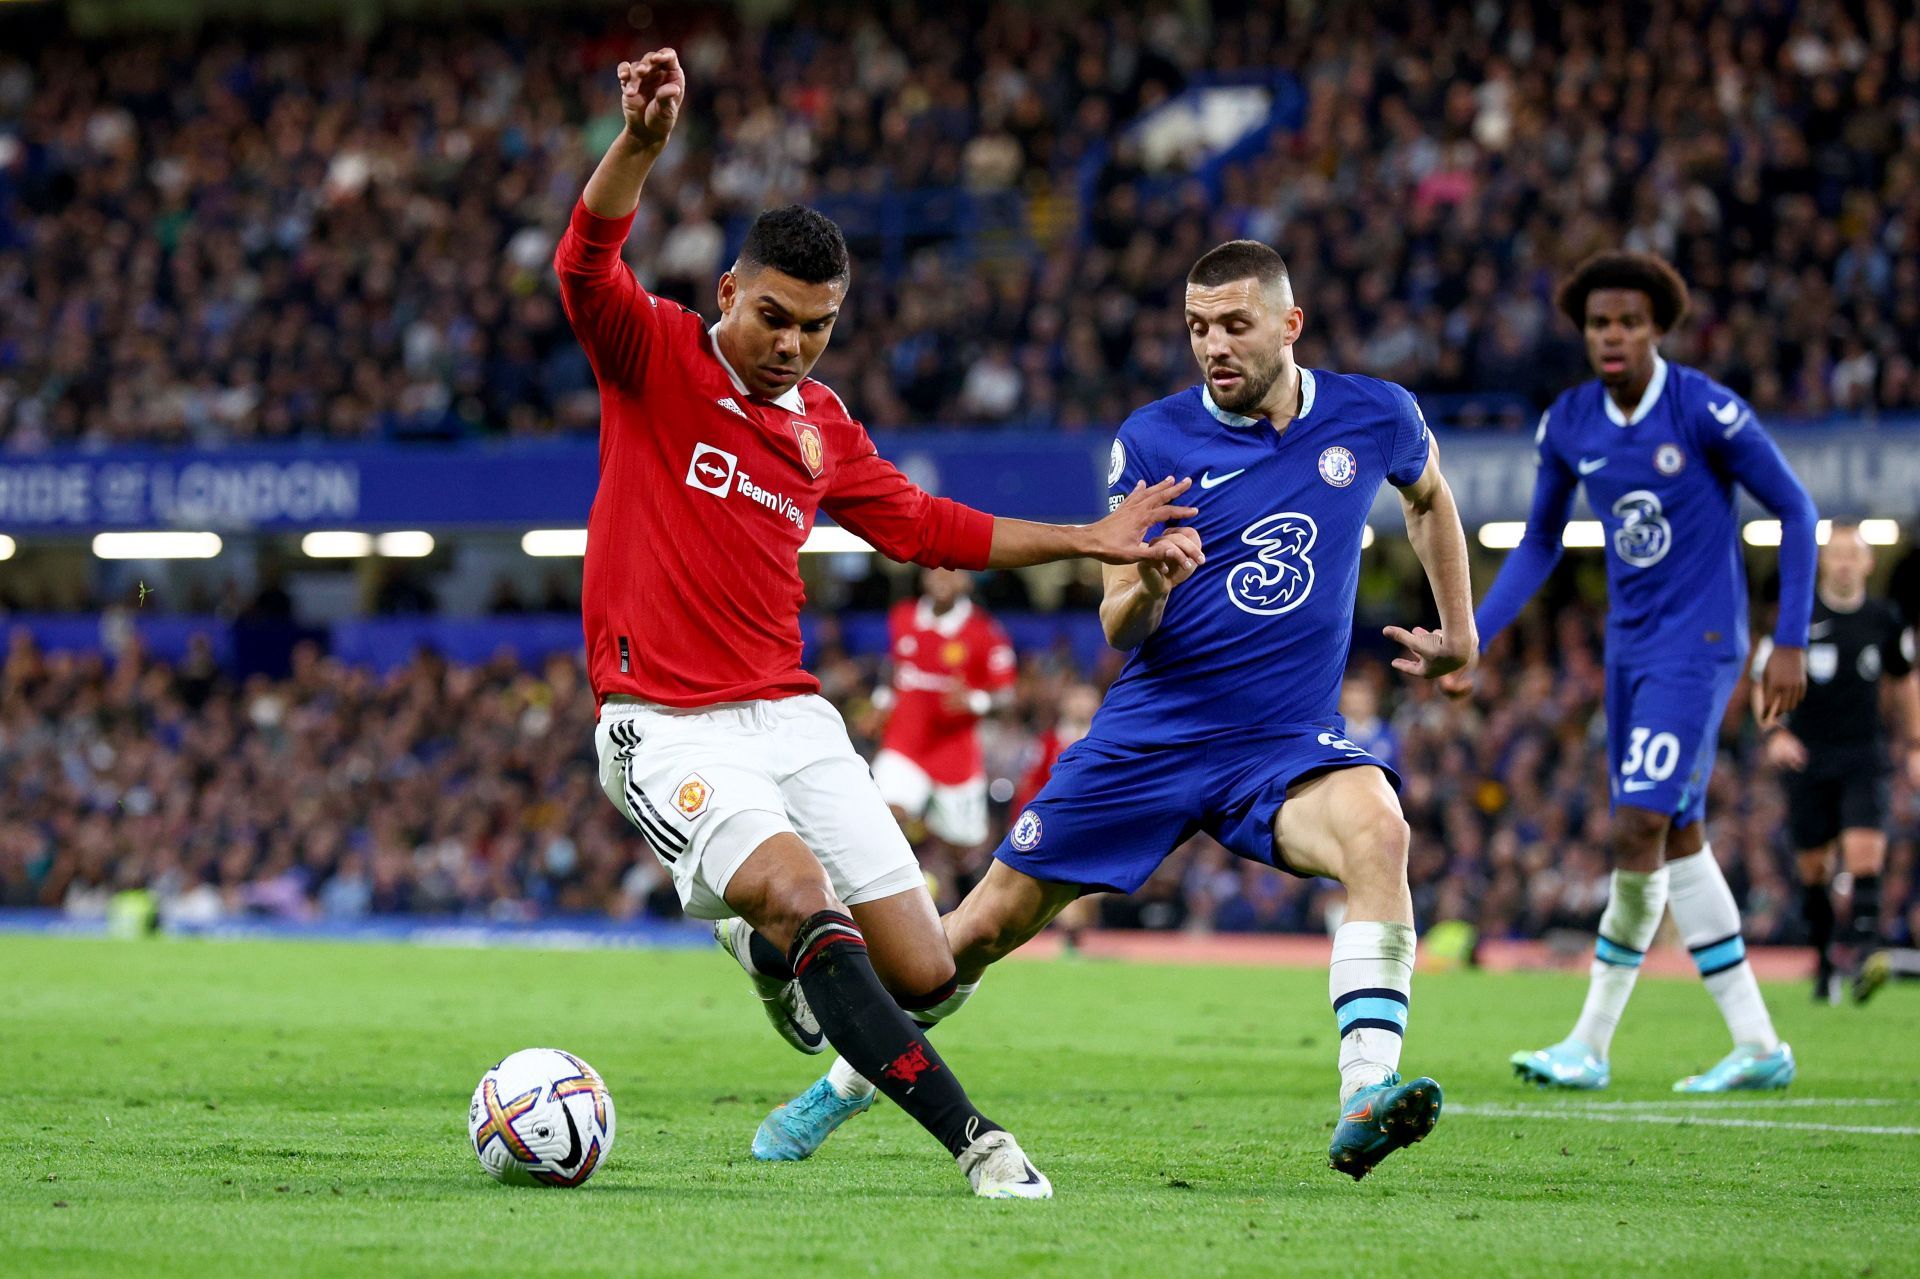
862 1022
1863 920
1816 907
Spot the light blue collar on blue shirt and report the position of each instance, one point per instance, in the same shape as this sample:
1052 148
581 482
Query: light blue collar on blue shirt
1235 419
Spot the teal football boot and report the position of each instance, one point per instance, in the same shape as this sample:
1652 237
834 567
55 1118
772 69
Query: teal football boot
802 1126
1568 1064
1744 1070
1379 1120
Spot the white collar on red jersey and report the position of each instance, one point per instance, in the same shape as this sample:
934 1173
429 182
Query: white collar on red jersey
788 399
947 623
1648 398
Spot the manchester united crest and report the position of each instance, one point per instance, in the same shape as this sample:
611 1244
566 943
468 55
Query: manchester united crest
812 451
691 796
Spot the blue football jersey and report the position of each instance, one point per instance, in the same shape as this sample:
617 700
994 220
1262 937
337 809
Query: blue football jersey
1259 635
1663 483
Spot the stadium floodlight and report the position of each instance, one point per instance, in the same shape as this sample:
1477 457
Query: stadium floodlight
1872 532
7 547
1366 536
1583 535
1761 533
337 544
408 544
1502 535
828 538
156 546
554 541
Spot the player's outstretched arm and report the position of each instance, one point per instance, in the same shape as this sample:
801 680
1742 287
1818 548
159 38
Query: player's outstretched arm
1433 526
652 91
1529 564
1120 538
606 306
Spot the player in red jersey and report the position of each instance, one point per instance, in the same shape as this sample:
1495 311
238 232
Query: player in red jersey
951 665
717 452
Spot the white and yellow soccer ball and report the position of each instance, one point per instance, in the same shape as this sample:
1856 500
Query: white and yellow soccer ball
541 1117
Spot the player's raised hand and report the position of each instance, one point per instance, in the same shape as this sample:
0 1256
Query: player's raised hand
1428 654
1456 684
1783 683
1120 538
1176 557
651 93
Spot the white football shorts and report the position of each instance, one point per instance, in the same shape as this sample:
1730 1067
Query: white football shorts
706 786
955 814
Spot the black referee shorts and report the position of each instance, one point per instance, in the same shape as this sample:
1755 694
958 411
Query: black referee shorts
1821 805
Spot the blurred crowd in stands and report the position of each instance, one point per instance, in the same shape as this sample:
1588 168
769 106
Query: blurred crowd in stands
221 238
471 791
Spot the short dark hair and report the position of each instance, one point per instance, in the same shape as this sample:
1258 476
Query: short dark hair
1642 272
1238 260
797 241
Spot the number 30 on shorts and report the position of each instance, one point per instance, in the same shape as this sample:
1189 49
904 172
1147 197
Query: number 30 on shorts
1655 755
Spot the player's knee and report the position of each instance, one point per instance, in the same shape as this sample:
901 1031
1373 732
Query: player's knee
779 910
1376 847
1639 840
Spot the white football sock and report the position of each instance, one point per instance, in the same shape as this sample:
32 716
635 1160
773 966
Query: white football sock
1709 924
1635 902
1368 981
850 1083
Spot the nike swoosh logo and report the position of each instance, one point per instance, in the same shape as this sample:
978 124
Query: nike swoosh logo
1209 481
1819 630
1360 1116
1725 414
1632 787
573 1139
1588 465
813 1040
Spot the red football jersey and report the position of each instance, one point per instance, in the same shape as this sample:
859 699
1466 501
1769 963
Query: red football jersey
961 651
692 587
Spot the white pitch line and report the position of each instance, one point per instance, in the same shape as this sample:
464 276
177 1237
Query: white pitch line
1816 1103
1680 1120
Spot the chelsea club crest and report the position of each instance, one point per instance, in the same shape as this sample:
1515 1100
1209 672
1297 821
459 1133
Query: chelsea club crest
1337 467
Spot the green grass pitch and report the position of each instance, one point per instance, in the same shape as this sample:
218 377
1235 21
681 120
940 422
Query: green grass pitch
225 1109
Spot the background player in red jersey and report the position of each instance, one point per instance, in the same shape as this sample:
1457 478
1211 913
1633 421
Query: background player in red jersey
951 664
717 452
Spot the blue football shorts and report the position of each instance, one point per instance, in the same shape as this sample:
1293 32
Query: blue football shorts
1109 814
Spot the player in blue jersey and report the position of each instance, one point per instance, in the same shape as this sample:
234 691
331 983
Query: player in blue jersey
1660 449
1224 720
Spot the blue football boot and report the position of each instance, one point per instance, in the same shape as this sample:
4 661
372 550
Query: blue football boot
1744 1070
802 1126
1568 1064
1379 1120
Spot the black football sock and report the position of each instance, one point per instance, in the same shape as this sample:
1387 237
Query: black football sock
1816 907
767 959
1863 924
862 1022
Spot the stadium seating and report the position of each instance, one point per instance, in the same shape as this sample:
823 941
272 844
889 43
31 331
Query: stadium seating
217 238
468 790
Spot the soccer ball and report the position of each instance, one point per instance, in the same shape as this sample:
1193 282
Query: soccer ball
541 1117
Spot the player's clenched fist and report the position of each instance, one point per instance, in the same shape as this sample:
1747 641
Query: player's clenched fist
651 91
1176 557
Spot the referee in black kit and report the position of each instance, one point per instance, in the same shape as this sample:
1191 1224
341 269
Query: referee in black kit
1832 750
